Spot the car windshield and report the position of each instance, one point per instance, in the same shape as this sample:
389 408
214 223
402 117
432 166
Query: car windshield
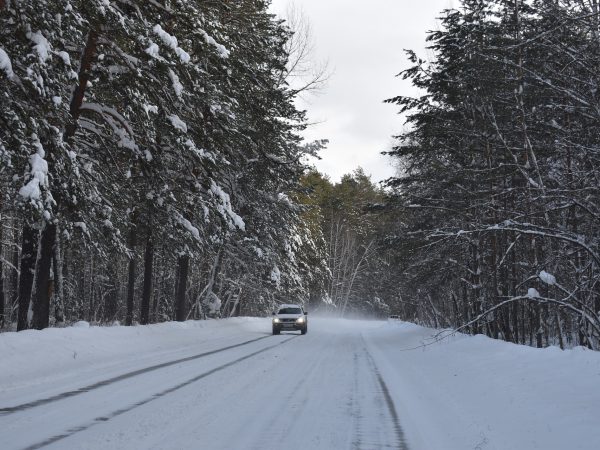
290 311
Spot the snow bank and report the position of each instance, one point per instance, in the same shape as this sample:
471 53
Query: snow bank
468 392
84 352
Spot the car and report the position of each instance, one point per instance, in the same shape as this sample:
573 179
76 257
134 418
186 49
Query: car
289 318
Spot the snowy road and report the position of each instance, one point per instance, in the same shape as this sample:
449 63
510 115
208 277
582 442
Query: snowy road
321 391
231 385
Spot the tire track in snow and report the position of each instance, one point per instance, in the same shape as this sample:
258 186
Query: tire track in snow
401 443
4 411
107 417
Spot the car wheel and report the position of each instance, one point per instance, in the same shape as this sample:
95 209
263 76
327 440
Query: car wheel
304 330
275 331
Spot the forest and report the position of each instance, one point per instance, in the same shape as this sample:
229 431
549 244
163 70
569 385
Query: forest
149 155
499 174
152 168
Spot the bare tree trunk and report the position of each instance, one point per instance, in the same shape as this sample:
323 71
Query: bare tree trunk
147 289
112 296
131 279
87 59
353 276
2 295
183 265
28 257
559 329
208 291
82 288
159 288
14 278
43 286
92 299
41 306
57 263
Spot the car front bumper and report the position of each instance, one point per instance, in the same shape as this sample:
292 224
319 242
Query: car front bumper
289 326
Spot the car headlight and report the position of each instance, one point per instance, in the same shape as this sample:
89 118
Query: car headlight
300 320
276 320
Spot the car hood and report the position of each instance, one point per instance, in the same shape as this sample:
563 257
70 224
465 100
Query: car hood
289 316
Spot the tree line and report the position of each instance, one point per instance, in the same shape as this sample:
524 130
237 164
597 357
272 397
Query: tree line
498 197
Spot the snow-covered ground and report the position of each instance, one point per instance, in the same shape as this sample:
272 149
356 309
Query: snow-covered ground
347 384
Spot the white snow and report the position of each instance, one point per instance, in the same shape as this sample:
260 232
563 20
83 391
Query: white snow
221 50
188 226
213 303
65 57
225 206
276 275
152 50
469 392
171 41
199 152
81 225
284 199
150 109
177 122
42 46
547 278
5 64
177 86
39 174
532 293
346 384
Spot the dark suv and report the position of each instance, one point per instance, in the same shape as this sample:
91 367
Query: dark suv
289 318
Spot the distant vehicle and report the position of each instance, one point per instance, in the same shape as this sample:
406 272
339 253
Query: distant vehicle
290 318
394 317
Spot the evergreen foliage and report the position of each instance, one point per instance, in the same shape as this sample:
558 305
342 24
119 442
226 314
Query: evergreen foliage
498 191
151 152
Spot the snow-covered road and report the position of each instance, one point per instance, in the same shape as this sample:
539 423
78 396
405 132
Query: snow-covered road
319 391
345 385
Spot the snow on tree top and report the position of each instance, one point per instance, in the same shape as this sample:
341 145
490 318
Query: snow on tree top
223 52
152 50
5 64
178 123
42 46
39 174
177 86
171 41
225 206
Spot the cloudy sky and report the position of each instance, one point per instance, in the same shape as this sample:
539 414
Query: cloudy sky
362 41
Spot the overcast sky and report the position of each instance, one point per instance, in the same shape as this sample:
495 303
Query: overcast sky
363 42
